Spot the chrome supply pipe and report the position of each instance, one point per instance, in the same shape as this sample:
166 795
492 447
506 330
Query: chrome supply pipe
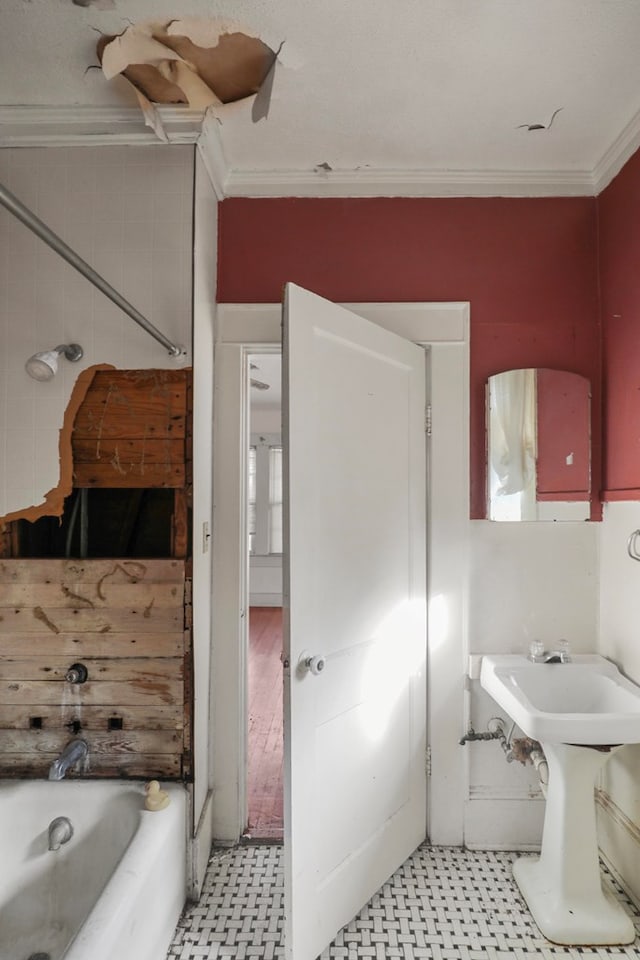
37 226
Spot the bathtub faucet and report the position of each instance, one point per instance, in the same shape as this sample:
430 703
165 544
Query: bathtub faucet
75 751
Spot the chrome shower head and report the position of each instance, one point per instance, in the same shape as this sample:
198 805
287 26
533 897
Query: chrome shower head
44 366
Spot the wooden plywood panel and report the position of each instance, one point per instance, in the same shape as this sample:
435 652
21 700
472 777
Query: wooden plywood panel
125 622
131 429
144 619
100 572
135 670
122 475
111 743
74 646
63 596
148 766
64 716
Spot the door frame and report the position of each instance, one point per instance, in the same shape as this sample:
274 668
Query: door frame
256 328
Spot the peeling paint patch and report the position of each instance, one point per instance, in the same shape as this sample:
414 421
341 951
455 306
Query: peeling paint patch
200 62
323 168
531 127
262 102
53 503
96 4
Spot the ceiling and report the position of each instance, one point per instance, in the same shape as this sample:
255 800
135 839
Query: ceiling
266 369
417 97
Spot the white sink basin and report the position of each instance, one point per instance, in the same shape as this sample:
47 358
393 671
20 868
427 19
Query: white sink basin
586 701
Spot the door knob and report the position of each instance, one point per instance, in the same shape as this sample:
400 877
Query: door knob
315 665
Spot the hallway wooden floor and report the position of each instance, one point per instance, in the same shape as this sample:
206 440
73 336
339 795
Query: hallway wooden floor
265 724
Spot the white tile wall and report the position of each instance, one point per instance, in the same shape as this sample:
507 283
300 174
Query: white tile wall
533 581
620 628
527 580
127 211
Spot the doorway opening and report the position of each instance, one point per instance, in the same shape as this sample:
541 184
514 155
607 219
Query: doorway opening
265 753
246 329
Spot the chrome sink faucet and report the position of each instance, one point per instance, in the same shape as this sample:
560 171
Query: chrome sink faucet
538 654
75 752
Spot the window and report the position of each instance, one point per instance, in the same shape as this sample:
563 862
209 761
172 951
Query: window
264 487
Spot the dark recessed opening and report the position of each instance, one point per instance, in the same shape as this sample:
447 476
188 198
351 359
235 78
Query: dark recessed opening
35 723
114 723
103 523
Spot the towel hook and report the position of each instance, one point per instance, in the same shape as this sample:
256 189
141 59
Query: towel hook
632 549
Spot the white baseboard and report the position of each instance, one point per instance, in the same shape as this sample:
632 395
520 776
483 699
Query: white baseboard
619 841
497 823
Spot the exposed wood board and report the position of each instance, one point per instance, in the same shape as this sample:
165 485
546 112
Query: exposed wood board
94 694
80 646
58 716
145 619
71 596
130 431
157 766
119 475
93 422
106 743
167 388
164 450
180 525
125 621
135 670
102 572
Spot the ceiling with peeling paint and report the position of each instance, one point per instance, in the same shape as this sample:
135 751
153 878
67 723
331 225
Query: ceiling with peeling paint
395 88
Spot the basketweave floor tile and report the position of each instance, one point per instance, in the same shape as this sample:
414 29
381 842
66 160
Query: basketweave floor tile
444 903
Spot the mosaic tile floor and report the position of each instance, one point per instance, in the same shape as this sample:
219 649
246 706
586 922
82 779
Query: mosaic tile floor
444 903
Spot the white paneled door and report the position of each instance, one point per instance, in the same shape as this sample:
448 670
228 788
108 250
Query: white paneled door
355 588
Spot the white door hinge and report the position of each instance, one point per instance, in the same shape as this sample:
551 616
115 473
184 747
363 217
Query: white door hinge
427 761
427 419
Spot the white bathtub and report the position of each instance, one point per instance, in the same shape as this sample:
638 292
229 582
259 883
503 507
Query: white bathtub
115 891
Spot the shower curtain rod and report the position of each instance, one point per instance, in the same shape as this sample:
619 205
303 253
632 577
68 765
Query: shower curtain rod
18 209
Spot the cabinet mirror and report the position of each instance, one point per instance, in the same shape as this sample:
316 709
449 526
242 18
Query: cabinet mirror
539 463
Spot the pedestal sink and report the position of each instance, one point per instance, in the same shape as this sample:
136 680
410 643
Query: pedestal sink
581 712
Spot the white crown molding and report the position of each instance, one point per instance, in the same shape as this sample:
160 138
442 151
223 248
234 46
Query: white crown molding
78 125
409 183
612 161
25 126
211 150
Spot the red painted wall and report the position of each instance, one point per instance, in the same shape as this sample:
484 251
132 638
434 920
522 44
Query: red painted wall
527 267
619 236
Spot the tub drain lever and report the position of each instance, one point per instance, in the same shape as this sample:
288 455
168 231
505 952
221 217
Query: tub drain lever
60 831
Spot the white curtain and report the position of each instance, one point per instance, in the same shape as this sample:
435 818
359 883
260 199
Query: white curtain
512 404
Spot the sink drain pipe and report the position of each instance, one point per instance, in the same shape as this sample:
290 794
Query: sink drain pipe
524 749
539 761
